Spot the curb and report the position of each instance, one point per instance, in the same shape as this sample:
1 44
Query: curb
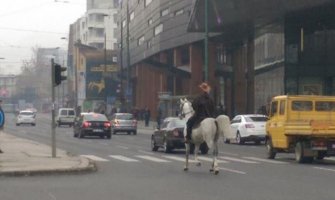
86 166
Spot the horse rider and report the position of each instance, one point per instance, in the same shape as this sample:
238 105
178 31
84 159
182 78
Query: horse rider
203 106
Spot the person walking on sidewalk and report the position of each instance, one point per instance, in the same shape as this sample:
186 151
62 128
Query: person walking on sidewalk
147 116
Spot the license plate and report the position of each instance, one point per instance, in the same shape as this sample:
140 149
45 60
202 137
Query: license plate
97 130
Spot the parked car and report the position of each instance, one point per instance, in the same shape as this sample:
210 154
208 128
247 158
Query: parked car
26 117
124 122
92 124
65 116
249 127
171 136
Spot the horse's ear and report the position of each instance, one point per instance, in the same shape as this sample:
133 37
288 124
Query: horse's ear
181 101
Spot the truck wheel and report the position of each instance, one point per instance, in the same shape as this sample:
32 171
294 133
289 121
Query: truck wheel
299 152
271 152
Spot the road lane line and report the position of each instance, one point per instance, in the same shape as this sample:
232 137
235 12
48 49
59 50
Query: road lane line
178 159
154 159
238 160
95 158
325 169
211 159
146 152
122 147
232 170
123 158
265 160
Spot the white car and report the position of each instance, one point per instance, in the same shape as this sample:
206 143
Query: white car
26 117
249 127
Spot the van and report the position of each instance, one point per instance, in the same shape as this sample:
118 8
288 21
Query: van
65 116
301 124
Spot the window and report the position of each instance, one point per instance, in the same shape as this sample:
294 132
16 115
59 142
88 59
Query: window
140 40
302 105
158 29
164 12
150 21
149 44
282 107
147 2
274 108
325 106
124 23
179 12
131 16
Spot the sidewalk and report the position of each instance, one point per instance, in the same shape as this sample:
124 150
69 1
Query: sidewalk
23 157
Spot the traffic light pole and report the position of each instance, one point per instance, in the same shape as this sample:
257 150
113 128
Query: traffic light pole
53 124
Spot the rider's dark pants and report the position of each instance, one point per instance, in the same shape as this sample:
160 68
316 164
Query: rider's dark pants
190 123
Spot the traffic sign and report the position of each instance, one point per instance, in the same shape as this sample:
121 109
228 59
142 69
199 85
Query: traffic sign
2 118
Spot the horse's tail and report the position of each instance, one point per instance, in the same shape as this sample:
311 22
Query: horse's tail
223 122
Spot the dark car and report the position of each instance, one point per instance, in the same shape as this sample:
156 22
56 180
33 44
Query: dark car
124 122
92 124
171 136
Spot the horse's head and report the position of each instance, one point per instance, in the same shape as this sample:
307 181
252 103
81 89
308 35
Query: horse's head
186 109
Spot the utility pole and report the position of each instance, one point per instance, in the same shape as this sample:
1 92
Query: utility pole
206 41
53 124
128 55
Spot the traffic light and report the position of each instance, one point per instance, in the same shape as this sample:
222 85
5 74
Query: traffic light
58 74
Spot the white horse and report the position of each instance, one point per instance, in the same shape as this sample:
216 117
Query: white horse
209 131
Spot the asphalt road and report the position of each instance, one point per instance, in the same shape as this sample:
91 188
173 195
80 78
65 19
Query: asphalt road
129 170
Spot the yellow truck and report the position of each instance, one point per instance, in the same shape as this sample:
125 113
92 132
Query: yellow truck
303 124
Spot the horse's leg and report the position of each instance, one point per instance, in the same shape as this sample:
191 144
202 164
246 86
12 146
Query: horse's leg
196 150
215 165
187 153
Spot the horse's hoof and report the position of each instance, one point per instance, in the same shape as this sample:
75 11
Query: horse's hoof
198 164
185 169
216 172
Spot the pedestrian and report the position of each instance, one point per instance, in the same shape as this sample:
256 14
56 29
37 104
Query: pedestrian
203 106
159 117
147 116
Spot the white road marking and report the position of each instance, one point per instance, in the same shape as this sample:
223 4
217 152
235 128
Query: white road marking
227 153
331 158
178 159
95 158
238 160
154 159
146 152
123 158
325 169
211 159
232 170
265 160
122 147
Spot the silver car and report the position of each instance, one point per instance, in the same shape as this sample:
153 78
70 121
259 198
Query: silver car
124 122
26 117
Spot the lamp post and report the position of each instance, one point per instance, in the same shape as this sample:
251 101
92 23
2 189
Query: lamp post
206 41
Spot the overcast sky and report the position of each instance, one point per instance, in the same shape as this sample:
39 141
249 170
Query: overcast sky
25 24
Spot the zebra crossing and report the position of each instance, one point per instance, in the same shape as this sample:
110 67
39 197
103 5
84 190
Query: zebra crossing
226 159
170 158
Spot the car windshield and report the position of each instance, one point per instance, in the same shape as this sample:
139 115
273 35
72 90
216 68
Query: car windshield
177 123
256 119
27 113
95 117
125 117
